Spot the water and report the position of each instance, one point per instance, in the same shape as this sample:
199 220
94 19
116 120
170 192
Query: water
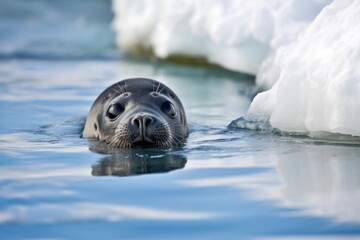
224 184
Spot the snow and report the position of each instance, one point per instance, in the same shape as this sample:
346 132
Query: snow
307 53
236 34
319 84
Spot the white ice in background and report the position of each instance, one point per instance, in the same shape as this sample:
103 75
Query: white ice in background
319 84
236 34
307 52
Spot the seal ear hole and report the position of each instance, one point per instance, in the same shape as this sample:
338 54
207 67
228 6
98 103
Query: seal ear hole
107 97
125 94
95 126
155 94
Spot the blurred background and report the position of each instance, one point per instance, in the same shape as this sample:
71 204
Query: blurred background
56 29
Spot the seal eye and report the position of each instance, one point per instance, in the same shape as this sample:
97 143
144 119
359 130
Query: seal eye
169 109
115 110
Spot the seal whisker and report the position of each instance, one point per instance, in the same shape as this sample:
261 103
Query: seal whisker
126 89
162 89
153 85
171 139
164 143
121 89
157 89
176 140
116 91
171 124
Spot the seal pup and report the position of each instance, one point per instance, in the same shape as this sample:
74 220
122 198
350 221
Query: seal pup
137 112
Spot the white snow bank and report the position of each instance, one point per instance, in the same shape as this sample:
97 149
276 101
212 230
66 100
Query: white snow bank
314 63
319 84
236 34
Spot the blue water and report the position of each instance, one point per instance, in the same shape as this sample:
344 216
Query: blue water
224 184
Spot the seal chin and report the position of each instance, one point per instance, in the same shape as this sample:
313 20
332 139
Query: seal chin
143 144
143 141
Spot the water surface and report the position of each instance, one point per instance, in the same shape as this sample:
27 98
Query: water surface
224 183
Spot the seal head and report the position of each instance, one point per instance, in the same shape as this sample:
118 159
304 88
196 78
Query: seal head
137 112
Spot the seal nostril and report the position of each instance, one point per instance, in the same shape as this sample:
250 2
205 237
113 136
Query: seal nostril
147 121
142 121
136 121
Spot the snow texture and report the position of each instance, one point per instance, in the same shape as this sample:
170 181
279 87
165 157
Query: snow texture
236 34
319 84
306 52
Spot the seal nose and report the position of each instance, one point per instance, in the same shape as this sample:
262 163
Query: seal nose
142 123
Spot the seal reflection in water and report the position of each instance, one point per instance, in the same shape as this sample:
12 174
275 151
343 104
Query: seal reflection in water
130 162
137 112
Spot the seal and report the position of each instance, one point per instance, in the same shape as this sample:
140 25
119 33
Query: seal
137 112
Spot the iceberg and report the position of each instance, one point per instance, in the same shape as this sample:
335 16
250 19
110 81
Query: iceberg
318 89
236 34
306 54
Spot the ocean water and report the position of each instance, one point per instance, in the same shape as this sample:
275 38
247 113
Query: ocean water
223 184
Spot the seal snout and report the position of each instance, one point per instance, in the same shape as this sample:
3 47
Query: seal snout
142 126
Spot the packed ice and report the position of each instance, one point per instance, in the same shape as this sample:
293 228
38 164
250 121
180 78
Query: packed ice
318 88
236 34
